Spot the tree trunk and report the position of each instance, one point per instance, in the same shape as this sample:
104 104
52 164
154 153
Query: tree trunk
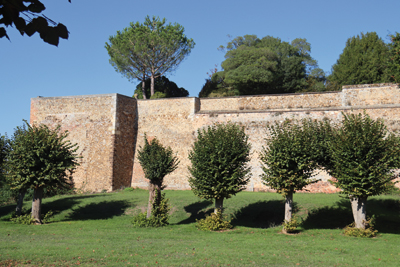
219 204
20 201
358 206
288 206
158 193
37 204
152 85
151 199
144 87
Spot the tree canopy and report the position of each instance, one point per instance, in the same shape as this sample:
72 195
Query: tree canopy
163 88
38 158
394 58
148 50
363 61
4 149
219 160
28 19
263 66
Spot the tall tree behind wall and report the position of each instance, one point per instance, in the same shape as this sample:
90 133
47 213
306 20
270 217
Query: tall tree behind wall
263 66
393 70
363 61
148 50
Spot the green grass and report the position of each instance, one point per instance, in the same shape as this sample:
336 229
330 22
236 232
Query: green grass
96 230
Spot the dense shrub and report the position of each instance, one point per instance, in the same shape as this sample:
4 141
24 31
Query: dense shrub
214 222
159 214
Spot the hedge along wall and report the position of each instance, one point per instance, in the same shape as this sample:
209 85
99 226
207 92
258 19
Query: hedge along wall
110 128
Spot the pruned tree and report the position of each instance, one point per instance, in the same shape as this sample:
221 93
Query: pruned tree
363 157
40 157
157 161
148 50
28 20
288 159
219 160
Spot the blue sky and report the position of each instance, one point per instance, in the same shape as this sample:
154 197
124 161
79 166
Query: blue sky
79 66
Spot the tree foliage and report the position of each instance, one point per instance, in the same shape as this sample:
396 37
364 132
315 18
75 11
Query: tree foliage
219 160
163 86
394 58
40 157
28 20
289 158
363 61
4 149
265 66
157 161
364 155
148 50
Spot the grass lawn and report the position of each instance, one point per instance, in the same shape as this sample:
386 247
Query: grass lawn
96 230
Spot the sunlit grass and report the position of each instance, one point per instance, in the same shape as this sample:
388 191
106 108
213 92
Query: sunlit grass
96 230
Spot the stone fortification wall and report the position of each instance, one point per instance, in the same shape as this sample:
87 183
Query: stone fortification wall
117 125
267 102
103 128
170 121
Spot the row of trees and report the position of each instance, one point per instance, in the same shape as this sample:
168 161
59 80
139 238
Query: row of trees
270 66
359 152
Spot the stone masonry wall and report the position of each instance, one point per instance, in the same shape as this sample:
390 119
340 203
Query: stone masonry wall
102 135
111 128
124 141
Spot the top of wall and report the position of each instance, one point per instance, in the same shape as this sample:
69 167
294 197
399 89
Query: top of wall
352 96
356 96
80 96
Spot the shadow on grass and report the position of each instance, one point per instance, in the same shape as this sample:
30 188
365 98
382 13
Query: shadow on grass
65 203
6 211
329 217
92 211
386 211
197 211
99 211
262 214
